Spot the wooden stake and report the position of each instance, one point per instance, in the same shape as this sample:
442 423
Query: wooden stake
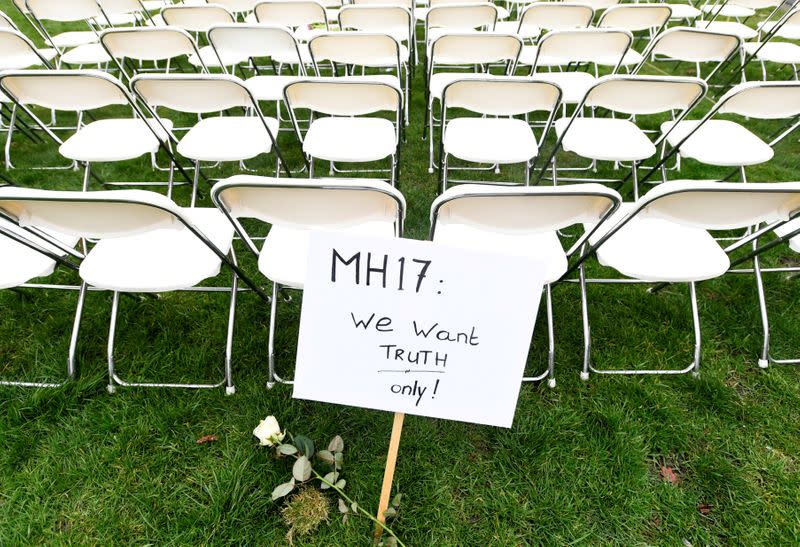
388 473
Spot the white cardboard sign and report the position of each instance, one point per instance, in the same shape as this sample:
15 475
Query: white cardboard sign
414 327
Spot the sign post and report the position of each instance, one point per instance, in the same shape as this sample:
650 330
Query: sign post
415 328
388 472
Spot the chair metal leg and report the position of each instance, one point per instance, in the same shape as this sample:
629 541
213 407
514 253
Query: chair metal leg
763 361
11 125
549 372
87 172
273 314
698 340
195 182
230 389
587 335
112 331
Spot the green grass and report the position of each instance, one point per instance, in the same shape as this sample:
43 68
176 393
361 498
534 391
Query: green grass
580 465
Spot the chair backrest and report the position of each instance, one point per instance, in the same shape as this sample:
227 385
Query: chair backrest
789 25
389 19
475 48
721 205
756 4
195 93
408 4
239 41
121 7
148 43
355 48
631 94
340 97
695 45
762 100
531 209
502 96
197 18
64 11
292 14
67 90
601 46
100 214
238 6
326 204
598 5
556 15
462 16
17 51
636 17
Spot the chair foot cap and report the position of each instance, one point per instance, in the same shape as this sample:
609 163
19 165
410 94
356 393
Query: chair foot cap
551 383
111 389
763 363
230 390
585 376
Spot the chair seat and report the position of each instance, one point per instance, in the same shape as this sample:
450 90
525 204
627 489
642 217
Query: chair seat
490 140
774 52
113 140
719 142
544 246
528 57
684 11
631 57
440 80
653 249
75 38
210 59
787 31
87 54
269 88
606 139
728 27
161 260
574 85
728 10
512 27
350 139
228 138
284 257
19 264
789 227
26 59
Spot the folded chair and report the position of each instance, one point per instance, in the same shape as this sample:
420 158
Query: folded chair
664 238
84 92
348 131
27 254
294 209
495 136
76 47
522 221
145 243
714 140
213 138
620 139
470 51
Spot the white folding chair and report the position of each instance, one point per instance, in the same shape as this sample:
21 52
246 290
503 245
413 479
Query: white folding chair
522 221
664 238
118 13
296 208
619 139
692 45
145 243
562 49
306 19
348 133
636 18
421 13
495 136
199 20
541 17
396 21
17 51
733 9
77 47
458 18
464 50
214 138
83 91
354 49
772 51
684 12
131 47
27 254
726 143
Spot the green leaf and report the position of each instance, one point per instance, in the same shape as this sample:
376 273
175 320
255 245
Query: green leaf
302 469
396 500
326 456
304 445
343 506
390 512
336 444
287 449
340 484
282 489
331 478
338 461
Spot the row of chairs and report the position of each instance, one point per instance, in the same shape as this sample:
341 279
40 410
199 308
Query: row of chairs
135 241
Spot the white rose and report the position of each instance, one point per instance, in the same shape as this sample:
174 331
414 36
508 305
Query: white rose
269 432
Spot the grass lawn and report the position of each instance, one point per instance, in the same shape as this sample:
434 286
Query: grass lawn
585 463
